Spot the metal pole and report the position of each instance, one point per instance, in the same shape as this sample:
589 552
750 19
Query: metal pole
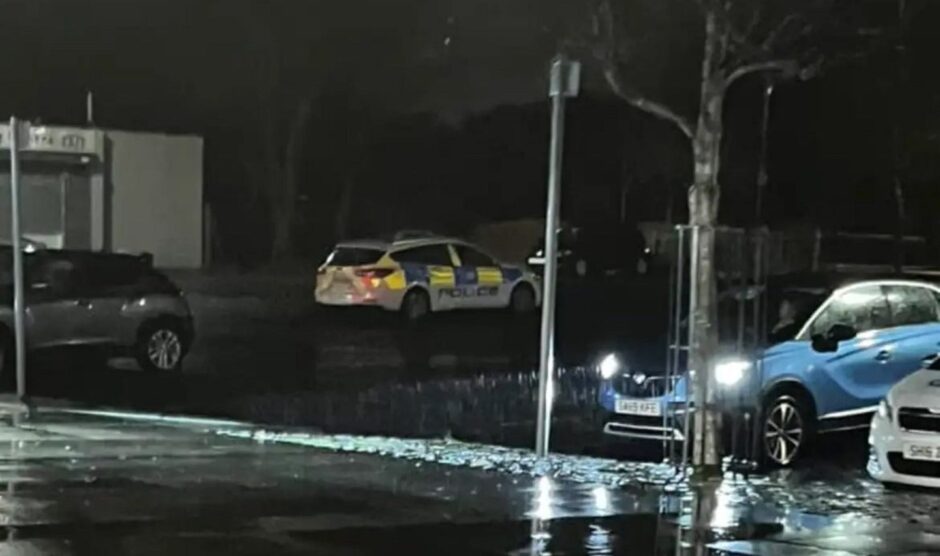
675 334
89 108
762 169
691 385
760 319
562 73
19 307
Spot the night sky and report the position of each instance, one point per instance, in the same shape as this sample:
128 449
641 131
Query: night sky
188 64
178 64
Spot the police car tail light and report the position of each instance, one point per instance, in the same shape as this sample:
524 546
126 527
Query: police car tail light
372 277
374 272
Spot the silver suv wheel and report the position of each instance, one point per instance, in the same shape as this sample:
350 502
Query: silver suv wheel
164 349
160 346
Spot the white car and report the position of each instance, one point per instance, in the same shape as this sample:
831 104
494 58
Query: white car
905 431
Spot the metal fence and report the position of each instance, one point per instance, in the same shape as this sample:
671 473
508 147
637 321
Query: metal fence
743 261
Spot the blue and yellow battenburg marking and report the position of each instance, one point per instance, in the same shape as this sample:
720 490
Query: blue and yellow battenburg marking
489 276
449 277
442 276
396 280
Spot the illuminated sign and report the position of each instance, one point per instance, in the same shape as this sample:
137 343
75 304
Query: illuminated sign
66 140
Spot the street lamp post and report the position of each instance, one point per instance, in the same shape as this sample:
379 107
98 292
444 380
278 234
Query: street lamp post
19 133
563 84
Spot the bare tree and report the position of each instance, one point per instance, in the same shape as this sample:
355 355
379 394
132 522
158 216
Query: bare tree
278 116
739 38
346 122
282 160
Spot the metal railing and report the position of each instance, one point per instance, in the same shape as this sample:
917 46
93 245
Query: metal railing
741 267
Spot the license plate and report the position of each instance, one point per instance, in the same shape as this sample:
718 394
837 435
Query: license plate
649 408
922 452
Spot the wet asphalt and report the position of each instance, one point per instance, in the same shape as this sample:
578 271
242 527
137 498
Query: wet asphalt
77 483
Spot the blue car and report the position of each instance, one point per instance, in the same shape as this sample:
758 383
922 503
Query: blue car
834 352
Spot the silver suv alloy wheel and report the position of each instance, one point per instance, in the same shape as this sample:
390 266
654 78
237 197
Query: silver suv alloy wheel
164 349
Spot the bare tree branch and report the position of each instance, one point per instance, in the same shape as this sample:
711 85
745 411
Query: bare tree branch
608 56
777 31
788 68
741 37
651 107
755 19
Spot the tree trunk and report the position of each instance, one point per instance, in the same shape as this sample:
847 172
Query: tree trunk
341 224
703 212
284 206
282 244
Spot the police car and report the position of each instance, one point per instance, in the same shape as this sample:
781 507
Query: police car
417 276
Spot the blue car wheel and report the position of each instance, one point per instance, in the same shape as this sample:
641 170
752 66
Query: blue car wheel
787 427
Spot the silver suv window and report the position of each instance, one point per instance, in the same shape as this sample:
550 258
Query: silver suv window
52 278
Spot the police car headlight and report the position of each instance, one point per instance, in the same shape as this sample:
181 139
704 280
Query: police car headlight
729 373
609 366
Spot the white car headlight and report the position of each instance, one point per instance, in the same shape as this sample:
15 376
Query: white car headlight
885 410
609 366
729 373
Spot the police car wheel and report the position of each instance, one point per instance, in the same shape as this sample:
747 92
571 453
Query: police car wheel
416 305
522 300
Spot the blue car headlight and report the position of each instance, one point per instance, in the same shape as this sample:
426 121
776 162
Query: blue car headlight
609 366
730 372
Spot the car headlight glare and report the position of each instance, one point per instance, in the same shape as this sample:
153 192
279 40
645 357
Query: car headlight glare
885 410
729 373
609 366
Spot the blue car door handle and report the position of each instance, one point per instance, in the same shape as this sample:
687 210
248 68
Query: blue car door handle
883 355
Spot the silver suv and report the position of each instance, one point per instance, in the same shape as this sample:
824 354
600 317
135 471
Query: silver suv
116 302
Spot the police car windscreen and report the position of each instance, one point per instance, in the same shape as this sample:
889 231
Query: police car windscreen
354 256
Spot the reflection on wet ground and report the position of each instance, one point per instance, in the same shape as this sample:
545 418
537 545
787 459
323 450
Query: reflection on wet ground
818 488
79 484
794 507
